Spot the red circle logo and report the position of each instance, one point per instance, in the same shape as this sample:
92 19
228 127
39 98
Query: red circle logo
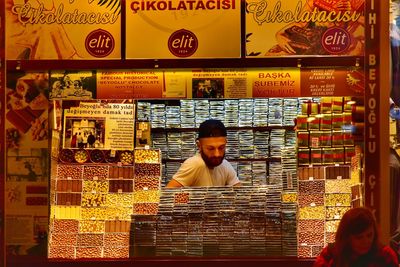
99 43
183 43
336 40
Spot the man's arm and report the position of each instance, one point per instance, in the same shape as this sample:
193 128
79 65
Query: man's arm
173 183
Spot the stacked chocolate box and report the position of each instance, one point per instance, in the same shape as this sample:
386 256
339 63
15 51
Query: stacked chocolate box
324 195
325 132
91 205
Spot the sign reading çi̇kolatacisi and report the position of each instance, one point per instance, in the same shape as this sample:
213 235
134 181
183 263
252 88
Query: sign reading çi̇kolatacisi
304 27
63 29
183 29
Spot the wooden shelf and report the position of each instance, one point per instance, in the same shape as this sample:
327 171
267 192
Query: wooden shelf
263 128
273 159
289 61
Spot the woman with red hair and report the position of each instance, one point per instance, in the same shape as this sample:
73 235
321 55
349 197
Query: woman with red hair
357 244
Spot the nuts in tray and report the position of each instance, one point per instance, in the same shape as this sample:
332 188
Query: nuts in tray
95 172
147 156
126 157
81 156
69 172
147 170
96 156
66 155
145 208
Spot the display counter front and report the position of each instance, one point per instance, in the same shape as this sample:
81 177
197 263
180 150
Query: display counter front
166 261
298 161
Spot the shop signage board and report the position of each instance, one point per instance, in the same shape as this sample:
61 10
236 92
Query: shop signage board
284 82
182 29
113 124
332 82
372 102
129 84
65 29
208 83
304 27
72 85
218 83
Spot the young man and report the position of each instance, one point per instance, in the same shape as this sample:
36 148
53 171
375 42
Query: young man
208 167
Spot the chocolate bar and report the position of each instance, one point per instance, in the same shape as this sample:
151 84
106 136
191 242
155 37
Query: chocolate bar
16 120
300 35
333 5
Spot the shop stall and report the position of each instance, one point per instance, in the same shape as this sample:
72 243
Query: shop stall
99 116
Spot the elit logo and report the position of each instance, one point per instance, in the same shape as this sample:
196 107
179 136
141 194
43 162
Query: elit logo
99 43
336 40
183 43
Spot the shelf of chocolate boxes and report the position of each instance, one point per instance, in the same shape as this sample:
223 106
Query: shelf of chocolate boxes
93 203
219 221
325 131
257 131
326 188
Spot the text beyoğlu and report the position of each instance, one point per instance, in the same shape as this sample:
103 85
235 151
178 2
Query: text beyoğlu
154 5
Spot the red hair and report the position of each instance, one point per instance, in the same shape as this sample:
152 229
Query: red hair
355 221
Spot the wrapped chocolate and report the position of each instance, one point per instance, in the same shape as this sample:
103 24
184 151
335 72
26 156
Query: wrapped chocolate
326 122
309 108
303 155
348 139
337 104
338 155
316 156
302 123
347 118
327 156
337 138
337 121
303 139
325 139
313 123
326 105
315 138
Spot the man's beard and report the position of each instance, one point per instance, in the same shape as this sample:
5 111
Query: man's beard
212 162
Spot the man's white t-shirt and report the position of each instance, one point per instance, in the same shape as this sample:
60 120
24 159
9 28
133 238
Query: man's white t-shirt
194 172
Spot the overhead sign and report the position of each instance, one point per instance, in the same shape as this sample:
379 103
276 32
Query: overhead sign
182 29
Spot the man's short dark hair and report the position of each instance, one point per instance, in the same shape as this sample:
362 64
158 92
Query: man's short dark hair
212 128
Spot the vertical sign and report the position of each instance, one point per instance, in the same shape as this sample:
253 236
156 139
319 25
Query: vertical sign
372 142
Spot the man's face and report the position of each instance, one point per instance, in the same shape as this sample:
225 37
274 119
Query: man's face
212 150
